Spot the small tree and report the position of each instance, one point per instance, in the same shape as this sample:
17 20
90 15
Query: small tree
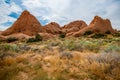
116 35
62 35
98 35
11 39
30 40
108 32
88 32
38 37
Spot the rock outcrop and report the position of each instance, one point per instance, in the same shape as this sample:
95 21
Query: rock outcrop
46 35
19 36
98 25
1 36
26 24
73 27
53 28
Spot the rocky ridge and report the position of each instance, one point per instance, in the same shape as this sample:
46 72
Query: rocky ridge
27 25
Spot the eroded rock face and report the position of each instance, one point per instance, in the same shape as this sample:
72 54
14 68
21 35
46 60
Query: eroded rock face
46 35
1 36
0 32
101 25
97 25
26 24
53 28
19 36
72 27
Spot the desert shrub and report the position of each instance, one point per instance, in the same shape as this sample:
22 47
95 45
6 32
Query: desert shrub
116 35
4 55
105 66
36 39
8 73
0 41
11 39
66 55
112 48
98 35
88 32
15 48
93 46
41 75
78 47
82 45
30 40
71 46
108 32
7 47
61 48
54 43
62 35
25 48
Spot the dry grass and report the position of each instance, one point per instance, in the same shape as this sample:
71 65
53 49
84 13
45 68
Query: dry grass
65 59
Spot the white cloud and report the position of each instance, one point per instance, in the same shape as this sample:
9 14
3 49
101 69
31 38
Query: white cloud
52 10
64 11
5 10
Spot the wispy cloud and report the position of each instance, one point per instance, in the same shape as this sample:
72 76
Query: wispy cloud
6 8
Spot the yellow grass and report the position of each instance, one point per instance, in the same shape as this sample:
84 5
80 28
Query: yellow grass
44 62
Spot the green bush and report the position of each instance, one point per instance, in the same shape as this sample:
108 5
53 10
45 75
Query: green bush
98 35
112 48
5 47
88 32
36 39
116 35
8 47
11 39
62 35
31 40
108 32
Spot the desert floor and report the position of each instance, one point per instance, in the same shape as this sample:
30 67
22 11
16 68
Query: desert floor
61 59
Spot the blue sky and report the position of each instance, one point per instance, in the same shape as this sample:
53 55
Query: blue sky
60 11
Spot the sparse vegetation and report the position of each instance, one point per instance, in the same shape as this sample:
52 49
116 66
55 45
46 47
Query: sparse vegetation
31 40
36 39
116 34
61 59
11 39
98 35
62 35
88 32
108 32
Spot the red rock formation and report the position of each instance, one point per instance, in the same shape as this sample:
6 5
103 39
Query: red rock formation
19 36
98 25
0 32
53 28
72 27
1 36
46 35
26 24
